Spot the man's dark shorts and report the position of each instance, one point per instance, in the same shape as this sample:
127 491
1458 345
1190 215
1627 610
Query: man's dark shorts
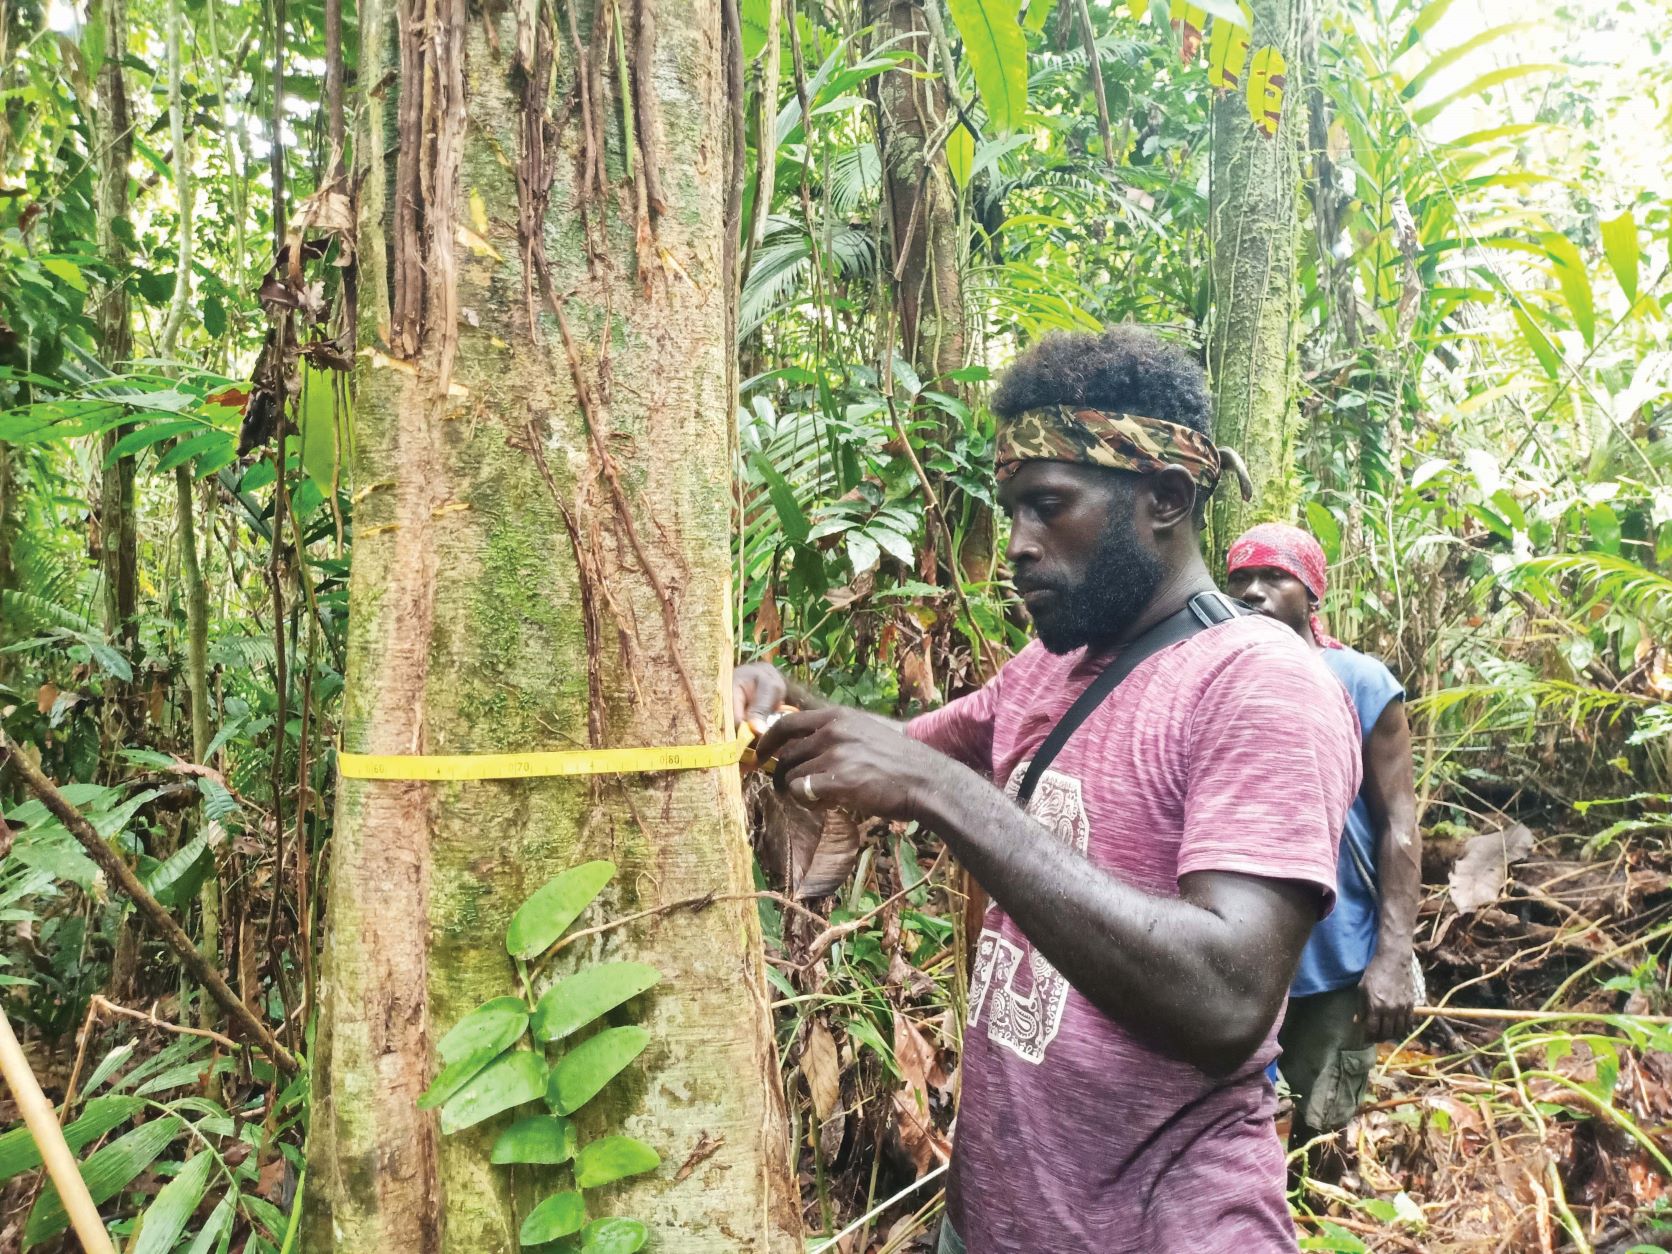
1326 1057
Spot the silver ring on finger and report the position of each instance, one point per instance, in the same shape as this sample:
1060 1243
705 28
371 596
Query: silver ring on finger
804 786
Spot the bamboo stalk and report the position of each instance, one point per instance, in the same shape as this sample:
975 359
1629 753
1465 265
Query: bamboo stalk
121 875
1531 1016
42 1123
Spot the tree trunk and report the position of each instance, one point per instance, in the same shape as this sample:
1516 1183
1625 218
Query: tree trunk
541 567
1253 229
922 209
8 535
112 151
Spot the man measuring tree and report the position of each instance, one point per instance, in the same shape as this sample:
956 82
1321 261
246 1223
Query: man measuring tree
1151 794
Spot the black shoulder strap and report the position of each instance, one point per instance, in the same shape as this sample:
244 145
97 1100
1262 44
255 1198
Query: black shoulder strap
1206 609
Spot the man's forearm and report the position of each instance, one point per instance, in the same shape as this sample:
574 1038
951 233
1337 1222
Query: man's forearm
1399 866
1168 969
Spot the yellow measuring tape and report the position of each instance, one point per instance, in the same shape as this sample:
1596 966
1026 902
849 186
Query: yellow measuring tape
407 766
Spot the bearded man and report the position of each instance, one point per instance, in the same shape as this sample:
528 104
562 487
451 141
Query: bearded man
1174 843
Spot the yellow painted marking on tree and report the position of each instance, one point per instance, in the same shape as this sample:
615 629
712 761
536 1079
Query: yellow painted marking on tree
1265 89
463 766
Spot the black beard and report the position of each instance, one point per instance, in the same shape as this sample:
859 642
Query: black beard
1123 577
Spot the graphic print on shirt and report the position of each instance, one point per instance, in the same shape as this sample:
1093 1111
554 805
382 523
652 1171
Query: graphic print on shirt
1023 995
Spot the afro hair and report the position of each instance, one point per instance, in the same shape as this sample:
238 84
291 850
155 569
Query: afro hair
1128 369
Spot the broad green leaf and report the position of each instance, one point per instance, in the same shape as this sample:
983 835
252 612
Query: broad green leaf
1575 282
1542 348
107 1067
193 447
960 154
613 1158
573 1003
557 1216
790 516
151 433
17 1147
165 1219
218 1223
614 1236
181 873
548 913
1324 528
536 1139
107 1172
998 56
592 1064
1039 12
754 17
1451 55
326 420
493 1026
65 270
454 1076
1485 82
1619 245
511 1080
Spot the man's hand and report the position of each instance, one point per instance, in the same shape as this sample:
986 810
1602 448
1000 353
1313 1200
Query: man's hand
850 760
757 691
1389 996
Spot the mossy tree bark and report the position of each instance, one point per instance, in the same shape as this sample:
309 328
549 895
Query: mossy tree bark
542 464
1253 221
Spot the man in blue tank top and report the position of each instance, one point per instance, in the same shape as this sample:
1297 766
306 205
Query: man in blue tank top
1356 983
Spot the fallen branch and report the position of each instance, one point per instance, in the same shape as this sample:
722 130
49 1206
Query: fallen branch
1533 1016
119 873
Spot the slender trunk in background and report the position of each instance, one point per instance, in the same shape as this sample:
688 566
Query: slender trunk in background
1254 235
197 685
112 151
8 534
544 563
922 209
185 189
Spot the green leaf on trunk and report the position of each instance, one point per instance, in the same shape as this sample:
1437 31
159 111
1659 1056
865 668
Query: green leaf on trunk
592 1064
509 1081
754 18
107 1172
1619 245
960 154
613 1158
475 1041
536 1139
614 1236
548 913
165 1219
573 1003
1325 528
998 55
557 1216
493 1026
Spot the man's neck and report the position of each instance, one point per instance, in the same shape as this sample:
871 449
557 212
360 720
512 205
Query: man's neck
1189 580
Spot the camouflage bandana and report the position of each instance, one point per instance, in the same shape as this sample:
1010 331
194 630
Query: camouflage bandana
1066 433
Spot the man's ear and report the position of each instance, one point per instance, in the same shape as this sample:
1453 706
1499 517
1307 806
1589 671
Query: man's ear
1172 499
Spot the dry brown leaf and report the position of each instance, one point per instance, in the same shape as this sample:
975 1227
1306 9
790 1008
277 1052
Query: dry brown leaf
822 1068
1483 868
46 697
914 1121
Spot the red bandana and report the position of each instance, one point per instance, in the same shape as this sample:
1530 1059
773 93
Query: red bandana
1282 547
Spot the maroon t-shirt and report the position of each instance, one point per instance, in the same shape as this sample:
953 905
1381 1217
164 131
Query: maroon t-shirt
1232 751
